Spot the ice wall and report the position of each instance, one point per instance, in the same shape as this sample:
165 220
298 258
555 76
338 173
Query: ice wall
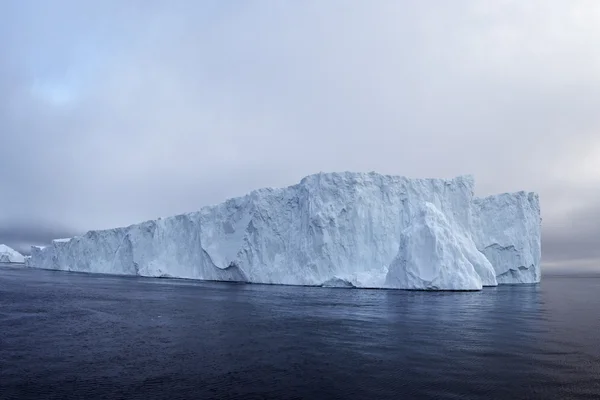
335 227
168 247
507 230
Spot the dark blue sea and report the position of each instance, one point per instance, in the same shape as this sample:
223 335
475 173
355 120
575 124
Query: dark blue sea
78 336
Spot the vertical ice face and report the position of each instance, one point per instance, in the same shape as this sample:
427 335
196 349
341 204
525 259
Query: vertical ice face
336 227
507 230
165 247
8 255
344 226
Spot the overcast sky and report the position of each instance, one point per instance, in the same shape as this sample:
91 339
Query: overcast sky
113 112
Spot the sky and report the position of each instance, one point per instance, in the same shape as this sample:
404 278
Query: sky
113 112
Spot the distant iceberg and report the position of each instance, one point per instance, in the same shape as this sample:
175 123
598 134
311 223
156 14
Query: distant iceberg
8 255
331 229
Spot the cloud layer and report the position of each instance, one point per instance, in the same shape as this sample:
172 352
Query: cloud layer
115 112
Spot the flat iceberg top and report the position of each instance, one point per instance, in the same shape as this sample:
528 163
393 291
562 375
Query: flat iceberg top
339 229
348 177
9 255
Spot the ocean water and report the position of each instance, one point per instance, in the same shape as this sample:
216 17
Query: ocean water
69 335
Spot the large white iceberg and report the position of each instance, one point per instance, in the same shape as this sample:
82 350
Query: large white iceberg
361 229
8 255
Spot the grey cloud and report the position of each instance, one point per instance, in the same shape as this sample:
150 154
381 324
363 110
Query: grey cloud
22 235
118 112
573 238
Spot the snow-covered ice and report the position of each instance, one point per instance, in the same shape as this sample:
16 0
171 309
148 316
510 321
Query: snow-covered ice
8 255
331 229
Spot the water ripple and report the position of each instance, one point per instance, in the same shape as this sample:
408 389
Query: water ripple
81 336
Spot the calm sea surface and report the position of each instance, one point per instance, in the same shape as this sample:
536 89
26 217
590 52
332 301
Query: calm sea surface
68 335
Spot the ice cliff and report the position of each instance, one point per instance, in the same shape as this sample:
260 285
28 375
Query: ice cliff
507 230
8 255
334 229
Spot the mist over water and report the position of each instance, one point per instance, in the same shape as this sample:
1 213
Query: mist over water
69 335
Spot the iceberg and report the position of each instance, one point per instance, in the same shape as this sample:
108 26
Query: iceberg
8 255
347 229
